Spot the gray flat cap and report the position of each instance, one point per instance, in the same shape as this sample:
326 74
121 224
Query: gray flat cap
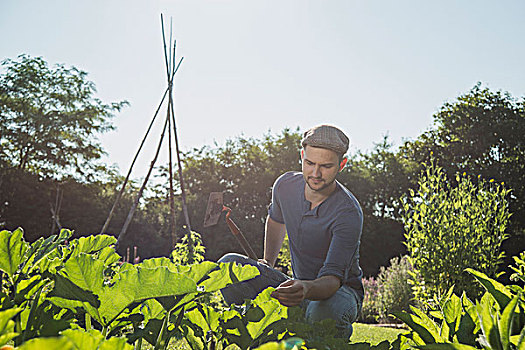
326 136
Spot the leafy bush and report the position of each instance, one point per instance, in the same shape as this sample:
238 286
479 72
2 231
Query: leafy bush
451 228
369 313
395 293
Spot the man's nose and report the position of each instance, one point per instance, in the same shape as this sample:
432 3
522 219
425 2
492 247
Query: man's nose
317 171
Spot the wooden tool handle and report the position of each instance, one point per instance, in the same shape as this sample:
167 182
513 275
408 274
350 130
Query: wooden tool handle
240 238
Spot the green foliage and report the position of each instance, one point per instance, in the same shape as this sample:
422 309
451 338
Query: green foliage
244 169
78 340
26 278
49 117
451 228
180 255
369 313
62 293
7 325
496 321
518 268
284 260
378 179
481 132
83 277
12 251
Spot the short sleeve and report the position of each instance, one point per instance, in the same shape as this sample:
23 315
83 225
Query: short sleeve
274 211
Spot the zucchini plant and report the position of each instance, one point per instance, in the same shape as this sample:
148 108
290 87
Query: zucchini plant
495 321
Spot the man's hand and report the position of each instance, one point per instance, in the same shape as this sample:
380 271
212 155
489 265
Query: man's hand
291 292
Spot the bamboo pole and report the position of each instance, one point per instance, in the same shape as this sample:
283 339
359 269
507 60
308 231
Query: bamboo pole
179 162
124 229
119 195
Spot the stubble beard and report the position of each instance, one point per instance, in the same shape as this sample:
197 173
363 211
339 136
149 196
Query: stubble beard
320 189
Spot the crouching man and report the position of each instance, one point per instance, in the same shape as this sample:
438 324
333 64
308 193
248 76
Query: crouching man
323 221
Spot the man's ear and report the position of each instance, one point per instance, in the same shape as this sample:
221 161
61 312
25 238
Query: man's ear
302 153
343 163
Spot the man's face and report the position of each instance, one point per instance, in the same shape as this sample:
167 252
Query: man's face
320 167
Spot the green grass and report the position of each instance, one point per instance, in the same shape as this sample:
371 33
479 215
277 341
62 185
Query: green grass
373 334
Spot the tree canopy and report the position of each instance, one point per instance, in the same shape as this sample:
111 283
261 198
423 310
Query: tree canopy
481 133
50 118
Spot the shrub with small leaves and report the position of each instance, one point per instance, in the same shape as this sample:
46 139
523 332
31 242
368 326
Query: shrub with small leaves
395 292
449 228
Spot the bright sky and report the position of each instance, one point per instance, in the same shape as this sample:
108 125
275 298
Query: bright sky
370 67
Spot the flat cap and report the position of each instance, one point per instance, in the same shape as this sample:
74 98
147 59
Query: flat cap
326 136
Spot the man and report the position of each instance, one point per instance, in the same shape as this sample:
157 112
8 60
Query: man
323 221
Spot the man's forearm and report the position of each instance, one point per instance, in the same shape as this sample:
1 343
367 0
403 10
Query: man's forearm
322 287
273 240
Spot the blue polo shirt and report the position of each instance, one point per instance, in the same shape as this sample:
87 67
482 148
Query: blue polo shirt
325 240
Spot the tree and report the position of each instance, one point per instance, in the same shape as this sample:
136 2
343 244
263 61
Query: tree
378 179
244 169
481 133
49 118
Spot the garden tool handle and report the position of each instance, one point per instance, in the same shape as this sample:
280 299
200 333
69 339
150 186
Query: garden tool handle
240 237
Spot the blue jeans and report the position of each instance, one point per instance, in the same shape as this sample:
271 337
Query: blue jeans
343 306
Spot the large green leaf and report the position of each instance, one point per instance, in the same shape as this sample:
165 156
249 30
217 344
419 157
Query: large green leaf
12 251
91 244
227 274
196 272
43 248
489 324
108 255
498 290
505 322
447 346
7 326
199 321
417 325
93 339
47 344
205 317
209 275
151 309
131 285
428 324
272 311
77 340
452 310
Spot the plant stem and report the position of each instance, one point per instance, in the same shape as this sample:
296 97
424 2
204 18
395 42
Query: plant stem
88 322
